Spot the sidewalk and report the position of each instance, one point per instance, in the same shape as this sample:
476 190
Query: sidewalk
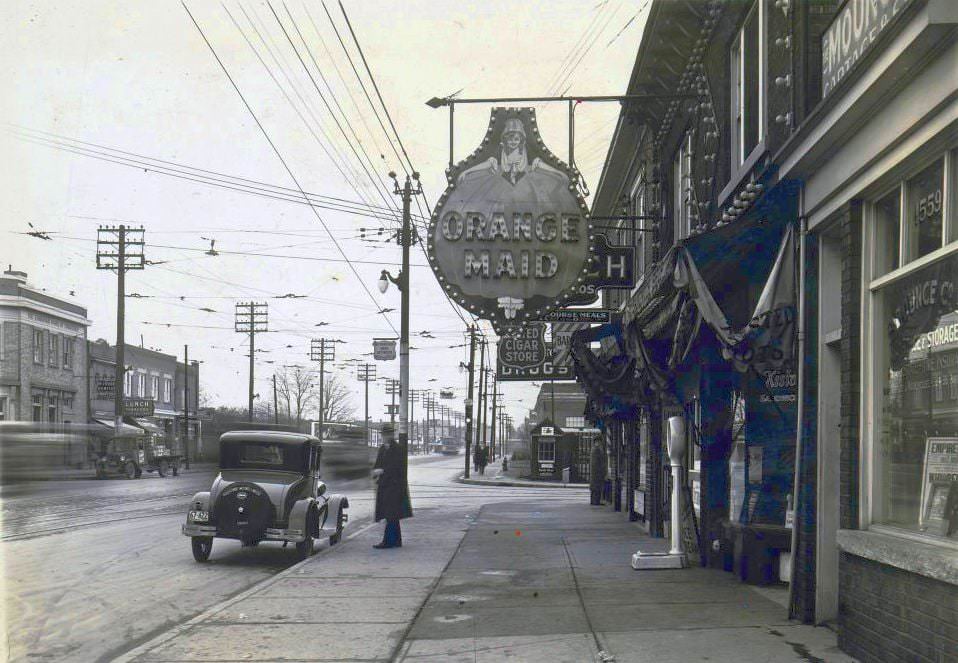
496 477
531 580
538 581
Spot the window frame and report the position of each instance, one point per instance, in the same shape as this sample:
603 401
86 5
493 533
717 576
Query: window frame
682 189
68 349
873 351
552 445
53 349
740 161
38 346
36 403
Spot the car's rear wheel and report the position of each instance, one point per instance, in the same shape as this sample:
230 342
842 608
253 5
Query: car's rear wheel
202 547
162 468
340 524
129 470
306 547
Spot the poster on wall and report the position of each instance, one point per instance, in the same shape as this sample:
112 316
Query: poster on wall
939 486
510 238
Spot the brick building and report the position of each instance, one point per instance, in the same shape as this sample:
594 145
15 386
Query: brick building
150 375
769 125
42 355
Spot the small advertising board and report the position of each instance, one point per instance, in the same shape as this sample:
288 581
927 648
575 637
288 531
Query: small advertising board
939 486
384 349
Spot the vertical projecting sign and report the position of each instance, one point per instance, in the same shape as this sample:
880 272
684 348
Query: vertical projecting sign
510 238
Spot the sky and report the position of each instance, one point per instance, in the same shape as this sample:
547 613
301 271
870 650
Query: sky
136 81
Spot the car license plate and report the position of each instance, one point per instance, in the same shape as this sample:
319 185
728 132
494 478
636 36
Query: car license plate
199 516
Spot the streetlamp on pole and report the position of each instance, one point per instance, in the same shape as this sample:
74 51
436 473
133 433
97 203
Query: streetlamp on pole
402 282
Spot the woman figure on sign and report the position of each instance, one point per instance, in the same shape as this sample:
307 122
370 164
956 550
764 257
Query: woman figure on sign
513 162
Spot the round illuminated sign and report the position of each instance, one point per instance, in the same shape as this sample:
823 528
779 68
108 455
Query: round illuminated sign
510 239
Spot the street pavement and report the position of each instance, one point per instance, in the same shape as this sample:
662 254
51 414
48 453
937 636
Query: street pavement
495 573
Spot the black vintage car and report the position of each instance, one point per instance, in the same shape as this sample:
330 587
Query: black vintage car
268 489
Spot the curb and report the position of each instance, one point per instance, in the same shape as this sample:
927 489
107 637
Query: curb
520 484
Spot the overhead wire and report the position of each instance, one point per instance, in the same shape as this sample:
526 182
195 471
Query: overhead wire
391 124
277 56
283 161
192 173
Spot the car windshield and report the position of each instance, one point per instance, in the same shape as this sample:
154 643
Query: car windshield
261 455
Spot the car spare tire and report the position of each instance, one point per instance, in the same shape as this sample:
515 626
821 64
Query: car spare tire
243 511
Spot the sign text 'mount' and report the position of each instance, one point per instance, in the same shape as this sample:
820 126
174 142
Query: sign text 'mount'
510 238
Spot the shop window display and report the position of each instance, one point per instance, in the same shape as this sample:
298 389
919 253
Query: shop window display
916 457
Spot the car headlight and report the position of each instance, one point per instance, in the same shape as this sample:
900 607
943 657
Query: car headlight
122 458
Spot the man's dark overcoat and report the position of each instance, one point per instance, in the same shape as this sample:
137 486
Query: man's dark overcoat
392 492
597 467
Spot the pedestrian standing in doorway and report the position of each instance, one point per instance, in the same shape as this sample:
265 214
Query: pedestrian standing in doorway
597 471
392 491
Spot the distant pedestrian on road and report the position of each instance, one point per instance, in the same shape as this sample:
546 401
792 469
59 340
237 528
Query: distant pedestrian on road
597 469
476 453
392 491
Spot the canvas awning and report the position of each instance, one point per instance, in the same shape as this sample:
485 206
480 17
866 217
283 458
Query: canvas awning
107 428
149 426
706 280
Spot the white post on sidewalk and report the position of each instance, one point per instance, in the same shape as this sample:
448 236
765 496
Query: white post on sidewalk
676 557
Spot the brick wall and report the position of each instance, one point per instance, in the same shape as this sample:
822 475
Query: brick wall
886 614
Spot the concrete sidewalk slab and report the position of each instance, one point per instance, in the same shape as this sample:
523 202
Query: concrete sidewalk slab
564 591
347 603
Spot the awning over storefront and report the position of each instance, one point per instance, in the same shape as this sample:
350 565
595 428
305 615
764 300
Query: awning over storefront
613 387
149 426
107 428
706 279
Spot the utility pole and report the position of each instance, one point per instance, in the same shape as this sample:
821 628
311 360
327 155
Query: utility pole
468 401
119 248
323 350
366 373
492 435
392 390
251 318
406 239
275 402
414 395
186 405
480 411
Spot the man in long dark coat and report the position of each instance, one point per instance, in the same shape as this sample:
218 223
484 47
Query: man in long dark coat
597 470
392 491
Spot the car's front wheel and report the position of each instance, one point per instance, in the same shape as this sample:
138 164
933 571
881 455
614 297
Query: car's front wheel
130 470
202 547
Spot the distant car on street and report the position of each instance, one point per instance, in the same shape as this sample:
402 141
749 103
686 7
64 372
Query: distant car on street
447 446
268 488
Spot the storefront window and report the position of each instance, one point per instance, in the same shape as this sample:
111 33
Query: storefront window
916 457
547 451
925 199
888 224
37 402
915 218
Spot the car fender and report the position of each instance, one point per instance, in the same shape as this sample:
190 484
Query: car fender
333 503
200 501
297 515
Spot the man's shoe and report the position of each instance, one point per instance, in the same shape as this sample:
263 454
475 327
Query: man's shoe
383 544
